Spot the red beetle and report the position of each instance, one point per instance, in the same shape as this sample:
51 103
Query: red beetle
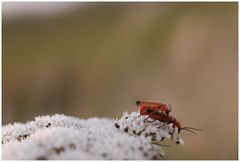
170 119
147 107
160 111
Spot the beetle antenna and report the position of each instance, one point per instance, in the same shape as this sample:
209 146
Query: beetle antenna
170 107
192 128
190 131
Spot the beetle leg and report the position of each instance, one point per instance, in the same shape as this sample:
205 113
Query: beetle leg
170 107
151 121
146 119
162 125
164 113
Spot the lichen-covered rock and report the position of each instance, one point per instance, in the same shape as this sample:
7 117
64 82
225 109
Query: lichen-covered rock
63 137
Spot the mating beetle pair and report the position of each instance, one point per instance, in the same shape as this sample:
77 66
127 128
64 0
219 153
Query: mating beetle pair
160 111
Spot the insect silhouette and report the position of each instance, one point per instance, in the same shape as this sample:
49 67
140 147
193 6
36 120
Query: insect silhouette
159 111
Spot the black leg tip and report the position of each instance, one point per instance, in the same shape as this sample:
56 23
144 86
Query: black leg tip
137 103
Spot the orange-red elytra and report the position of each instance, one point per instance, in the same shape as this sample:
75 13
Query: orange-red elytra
147 107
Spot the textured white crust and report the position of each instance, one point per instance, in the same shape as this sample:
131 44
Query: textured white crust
64 137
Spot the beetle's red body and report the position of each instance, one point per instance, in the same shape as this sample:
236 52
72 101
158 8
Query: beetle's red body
166 119
147 107
160 111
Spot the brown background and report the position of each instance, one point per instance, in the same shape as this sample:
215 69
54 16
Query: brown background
97 59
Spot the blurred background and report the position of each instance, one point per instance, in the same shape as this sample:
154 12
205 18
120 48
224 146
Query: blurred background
97 59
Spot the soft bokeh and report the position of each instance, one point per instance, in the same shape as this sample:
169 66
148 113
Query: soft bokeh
97 59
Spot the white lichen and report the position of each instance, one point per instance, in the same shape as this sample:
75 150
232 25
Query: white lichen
63 137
